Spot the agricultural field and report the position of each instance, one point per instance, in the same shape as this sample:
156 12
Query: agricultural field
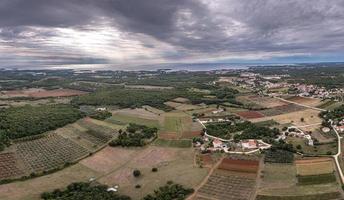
321 149
250 114
5 103
181 106
172 164
283 181
148 87
310 116
175 124
311 171
305 100
330 104
54 149
49 153
288 108
137 116
114 166
249 102
176 143
233 179
277 175
41 93
267 102
10 166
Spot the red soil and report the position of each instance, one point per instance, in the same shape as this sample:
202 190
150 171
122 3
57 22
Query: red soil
250 114
249 166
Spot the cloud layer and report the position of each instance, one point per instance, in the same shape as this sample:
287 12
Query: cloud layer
41 32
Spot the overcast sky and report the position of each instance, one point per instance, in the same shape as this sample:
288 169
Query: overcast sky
134 32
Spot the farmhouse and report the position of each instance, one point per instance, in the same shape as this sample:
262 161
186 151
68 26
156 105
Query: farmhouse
326 129
217 143
249 144
340 128
100 109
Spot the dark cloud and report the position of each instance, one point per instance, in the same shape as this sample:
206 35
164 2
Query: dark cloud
187 29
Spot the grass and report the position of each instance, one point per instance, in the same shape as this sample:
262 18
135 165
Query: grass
177 122
121 118
279 175
323 196
184 143
107 124
281 183
316 179
172 163
31 189
316 168
266 123
322 149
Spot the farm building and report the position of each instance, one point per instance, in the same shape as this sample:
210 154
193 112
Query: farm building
101 109
249 144
326 129
340 128
217 143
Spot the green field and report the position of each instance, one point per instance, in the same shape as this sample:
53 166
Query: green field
126 119
177 122
316 179
323 149
184 143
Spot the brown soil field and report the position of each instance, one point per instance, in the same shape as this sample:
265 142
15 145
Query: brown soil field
56 93
108 158
310 117
267 102
305 100
138 112
114 166
249 166
314 166
313 160
41 93
9 166
206 159
173 164
168 135
148 87
250 114
31 189
181 100
223 184
181 106
191 134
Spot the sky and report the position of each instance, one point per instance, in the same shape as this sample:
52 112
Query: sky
144 32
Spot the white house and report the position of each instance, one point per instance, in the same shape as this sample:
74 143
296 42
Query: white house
249 144
217 143
100 109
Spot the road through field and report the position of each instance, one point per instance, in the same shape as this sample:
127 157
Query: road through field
299 104
339 152
337 155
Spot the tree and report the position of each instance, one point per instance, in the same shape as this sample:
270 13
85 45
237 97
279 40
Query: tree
302 119
136 173
154 169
